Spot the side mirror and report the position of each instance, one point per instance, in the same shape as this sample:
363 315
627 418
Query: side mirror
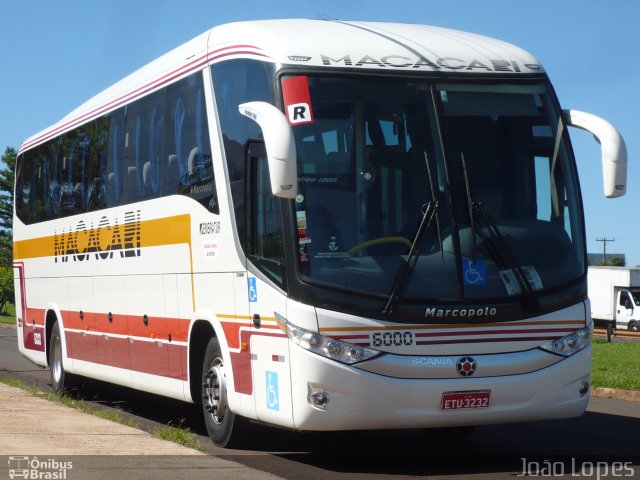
280 145
614 150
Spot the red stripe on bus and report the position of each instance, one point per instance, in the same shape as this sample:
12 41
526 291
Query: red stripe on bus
154 358
241 362
494 332
33 337
485 340
138 92
132 325
350 337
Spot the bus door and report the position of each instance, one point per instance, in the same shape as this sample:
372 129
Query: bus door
266 284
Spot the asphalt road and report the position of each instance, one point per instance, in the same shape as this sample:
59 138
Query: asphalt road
607 432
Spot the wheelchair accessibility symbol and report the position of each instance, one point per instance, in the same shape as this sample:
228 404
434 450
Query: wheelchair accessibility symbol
273 396
253 289
474 272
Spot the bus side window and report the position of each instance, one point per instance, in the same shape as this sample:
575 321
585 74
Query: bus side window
236 82
143 147
265 245
21 195
29 186
188 167
37 186
97 166
75 147
114 157
151 168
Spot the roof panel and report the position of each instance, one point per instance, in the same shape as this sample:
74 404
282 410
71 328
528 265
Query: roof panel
321 43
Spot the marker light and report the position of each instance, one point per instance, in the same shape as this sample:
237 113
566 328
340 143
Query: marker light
572 343
338 350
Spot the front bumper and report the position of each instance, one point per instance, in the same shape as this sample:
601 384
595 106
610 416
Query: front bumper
365 400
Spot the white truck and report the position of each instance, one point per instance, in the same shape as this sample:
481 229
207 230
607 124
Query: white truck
614 293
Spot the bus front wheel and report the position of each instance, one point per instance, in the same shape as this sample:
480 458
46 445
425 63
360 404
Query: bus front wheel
225 428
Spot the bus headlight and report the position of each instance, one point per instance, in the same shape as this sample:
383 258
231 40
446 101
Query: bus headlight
338 350
572 343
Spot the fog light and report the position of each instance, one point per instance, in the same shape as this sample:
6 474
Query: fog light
583 388
319 399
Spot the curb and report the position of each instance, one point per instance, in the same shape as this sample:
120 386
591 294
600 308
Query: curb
616 393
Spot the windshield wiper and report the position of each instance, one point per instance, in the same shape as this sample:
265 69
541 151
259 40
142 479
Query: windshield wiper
435 202
429 212
496 245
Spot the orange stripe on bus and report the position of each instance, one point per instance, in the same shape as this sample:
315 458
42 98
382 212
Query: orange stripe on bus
153 233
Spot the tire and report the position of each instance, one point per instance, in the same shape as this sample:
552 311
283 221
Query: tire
60 379
634 326
225 428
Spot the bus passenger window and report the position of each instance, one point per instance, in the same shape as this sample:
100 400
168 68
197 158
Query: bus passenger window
97 166
114 157
143 148
187 159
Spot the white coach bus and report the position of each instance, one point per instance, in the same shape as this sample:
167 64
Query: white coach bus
320 225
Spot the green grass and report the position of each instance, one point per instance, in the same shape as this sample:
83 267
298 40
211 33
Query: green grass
178 434
113 415
8 315
616 365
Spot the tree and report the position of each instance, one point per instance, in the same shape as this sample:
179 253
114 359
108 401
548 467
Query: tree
6 286
615 261
7 176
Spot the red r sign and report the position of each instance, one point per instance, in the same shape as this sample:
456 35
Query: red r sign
297 100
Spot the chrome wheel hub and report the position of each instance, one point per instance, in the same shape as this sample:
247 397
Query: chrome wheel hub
215 391
56 359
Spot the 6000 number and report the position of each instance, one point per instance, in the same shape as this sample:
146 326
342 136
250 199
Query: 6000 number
391 339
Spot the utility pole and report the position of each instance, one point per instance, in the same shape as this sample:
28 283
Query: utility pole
604 246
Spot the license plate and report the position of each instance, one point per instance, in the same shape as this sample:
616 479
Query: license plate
460 400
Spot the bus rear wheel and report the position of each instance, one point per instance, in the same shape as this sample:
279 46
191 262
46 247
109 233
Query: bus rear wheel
60 379
225 428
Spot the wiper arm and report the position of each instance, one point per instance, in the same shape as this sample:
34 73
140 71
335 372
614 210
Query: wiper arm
470 207
429 211
435 202
503 254
498 247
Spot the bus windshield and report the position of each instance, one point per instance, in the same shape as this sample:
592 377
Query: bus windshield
485 168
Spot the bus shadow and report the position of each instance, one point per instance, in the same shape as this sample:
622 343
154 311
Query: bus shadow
488 449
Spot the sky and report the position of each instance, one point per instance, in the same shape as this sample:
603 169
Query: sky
54 55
